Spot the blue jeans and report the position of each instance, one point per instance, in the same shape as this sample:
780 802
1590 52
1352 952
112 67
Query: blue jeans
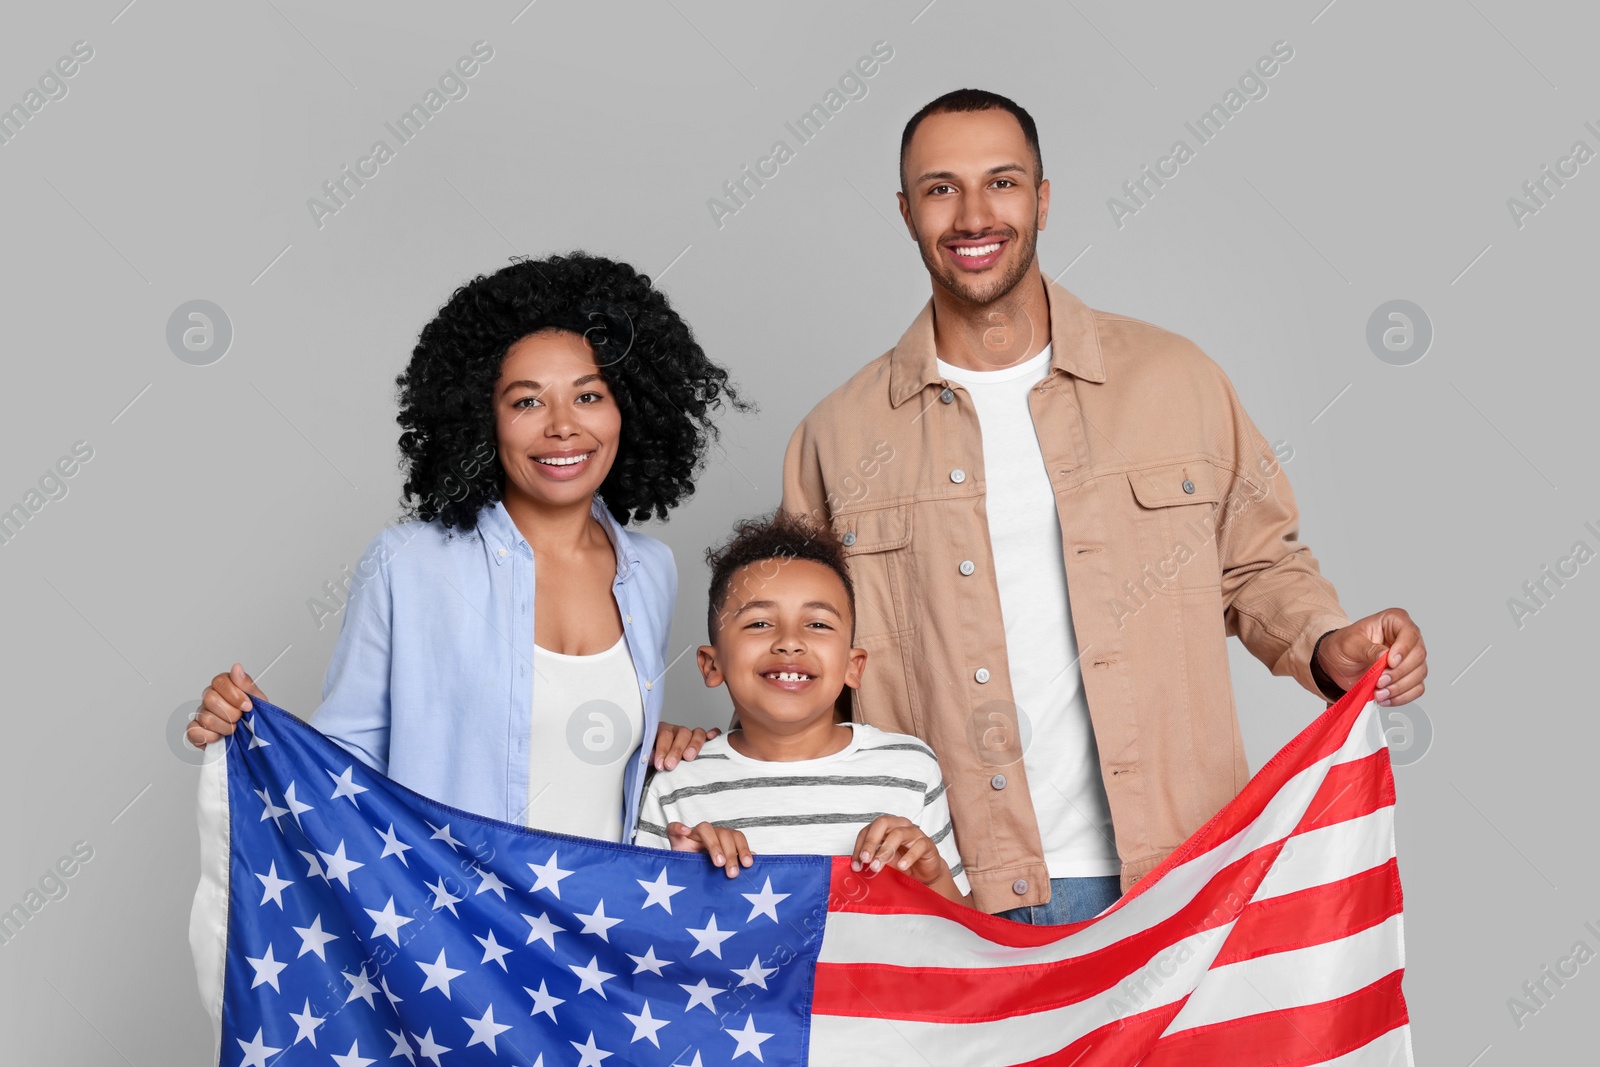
1071 900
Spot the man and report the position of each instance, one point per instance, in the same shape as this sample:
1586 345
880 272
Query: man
1016 446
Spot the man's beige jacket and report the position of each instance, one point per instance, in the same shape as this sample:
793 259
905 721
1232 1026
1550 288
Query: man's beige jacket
1178 528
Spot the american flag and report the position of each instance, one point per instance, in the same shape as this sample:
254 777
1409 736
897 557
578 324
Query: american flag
343 918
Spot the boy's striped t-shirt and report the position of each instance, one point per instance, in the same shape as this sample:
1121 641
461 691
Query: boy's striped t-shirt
814 807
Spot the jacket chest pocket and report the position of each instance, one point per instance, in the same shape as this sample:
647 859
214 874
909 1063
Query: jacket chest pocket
876 543
1174 511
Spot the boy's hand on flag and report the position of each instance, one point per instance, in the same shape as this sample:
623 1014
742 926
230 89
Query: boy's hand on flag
727 848
890 836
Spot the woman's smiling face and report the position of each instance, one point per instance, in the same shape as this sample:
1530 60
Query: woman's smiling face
557 424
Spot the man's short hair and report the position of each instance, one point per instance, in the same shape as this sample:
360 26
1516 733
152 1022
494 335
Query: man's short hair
779 536
966 100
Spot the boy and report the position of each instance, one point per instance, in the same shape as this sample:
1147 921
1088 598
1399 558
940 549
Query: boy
790 779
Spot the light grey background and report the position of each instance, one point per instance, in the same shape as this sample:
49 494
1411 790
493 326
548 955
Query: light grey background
221 497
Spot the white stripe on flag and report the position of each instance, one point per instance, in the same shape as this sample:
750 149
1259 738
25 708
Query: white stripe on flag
208 916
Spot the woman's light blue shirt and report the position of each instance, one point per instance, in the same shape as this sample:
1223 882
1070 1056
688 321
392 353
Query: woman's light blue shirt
432 679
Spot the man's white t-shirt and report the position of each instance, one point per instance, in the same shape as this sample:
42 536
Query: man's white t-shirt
1062 764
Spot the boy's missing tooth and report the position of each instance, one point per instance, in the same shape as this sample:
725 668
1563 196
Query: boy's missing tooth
790 779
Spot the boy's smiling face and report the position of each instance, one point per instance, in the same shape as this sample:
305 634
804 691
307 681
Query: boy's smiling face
783 645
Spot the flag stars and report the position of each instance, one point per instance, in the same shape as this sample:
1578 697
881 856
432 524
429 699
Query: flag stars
339 866
387 923
344 785
306 1023
542 929
443 898
755 974
592 1055
749 1039
271 811
273 886
597 922
492 950
648 962
360 986
543 1002
402 1047
709 939
255 738
765 902
267 969
485 1030
312 938
702 992
548 875
439 975
659 891
295 806
256 1053
428 1048
490 883
645 1026
442 833
353 1058
313 866
591 977
393 846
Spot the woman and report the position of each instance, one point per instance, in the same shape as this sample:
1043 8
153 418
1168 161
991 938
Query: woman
504 652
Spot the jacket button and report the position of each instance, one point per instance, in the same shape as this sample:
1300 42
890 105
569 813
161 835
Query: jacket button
849 538
982 674
998 781
958 476
1020 886
967 567
947 396
1188 486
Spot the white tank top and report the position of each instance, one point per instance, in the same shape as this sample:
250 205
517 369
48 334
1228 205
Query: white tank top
587 718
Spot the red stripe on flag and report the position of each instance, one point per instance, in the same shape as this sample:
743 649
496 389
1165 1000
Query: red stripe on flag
1289 1037
1350 791
1314 916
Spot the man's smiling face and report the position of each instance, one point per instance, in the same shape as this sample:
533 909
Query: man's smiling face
973 202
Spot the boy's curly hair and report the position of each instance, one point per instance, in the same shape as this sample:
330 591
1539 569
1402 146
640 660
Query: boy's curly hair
781 535
665 386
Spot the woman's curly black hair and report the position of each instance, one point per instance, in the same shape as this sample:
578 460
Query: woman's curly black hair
665 386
